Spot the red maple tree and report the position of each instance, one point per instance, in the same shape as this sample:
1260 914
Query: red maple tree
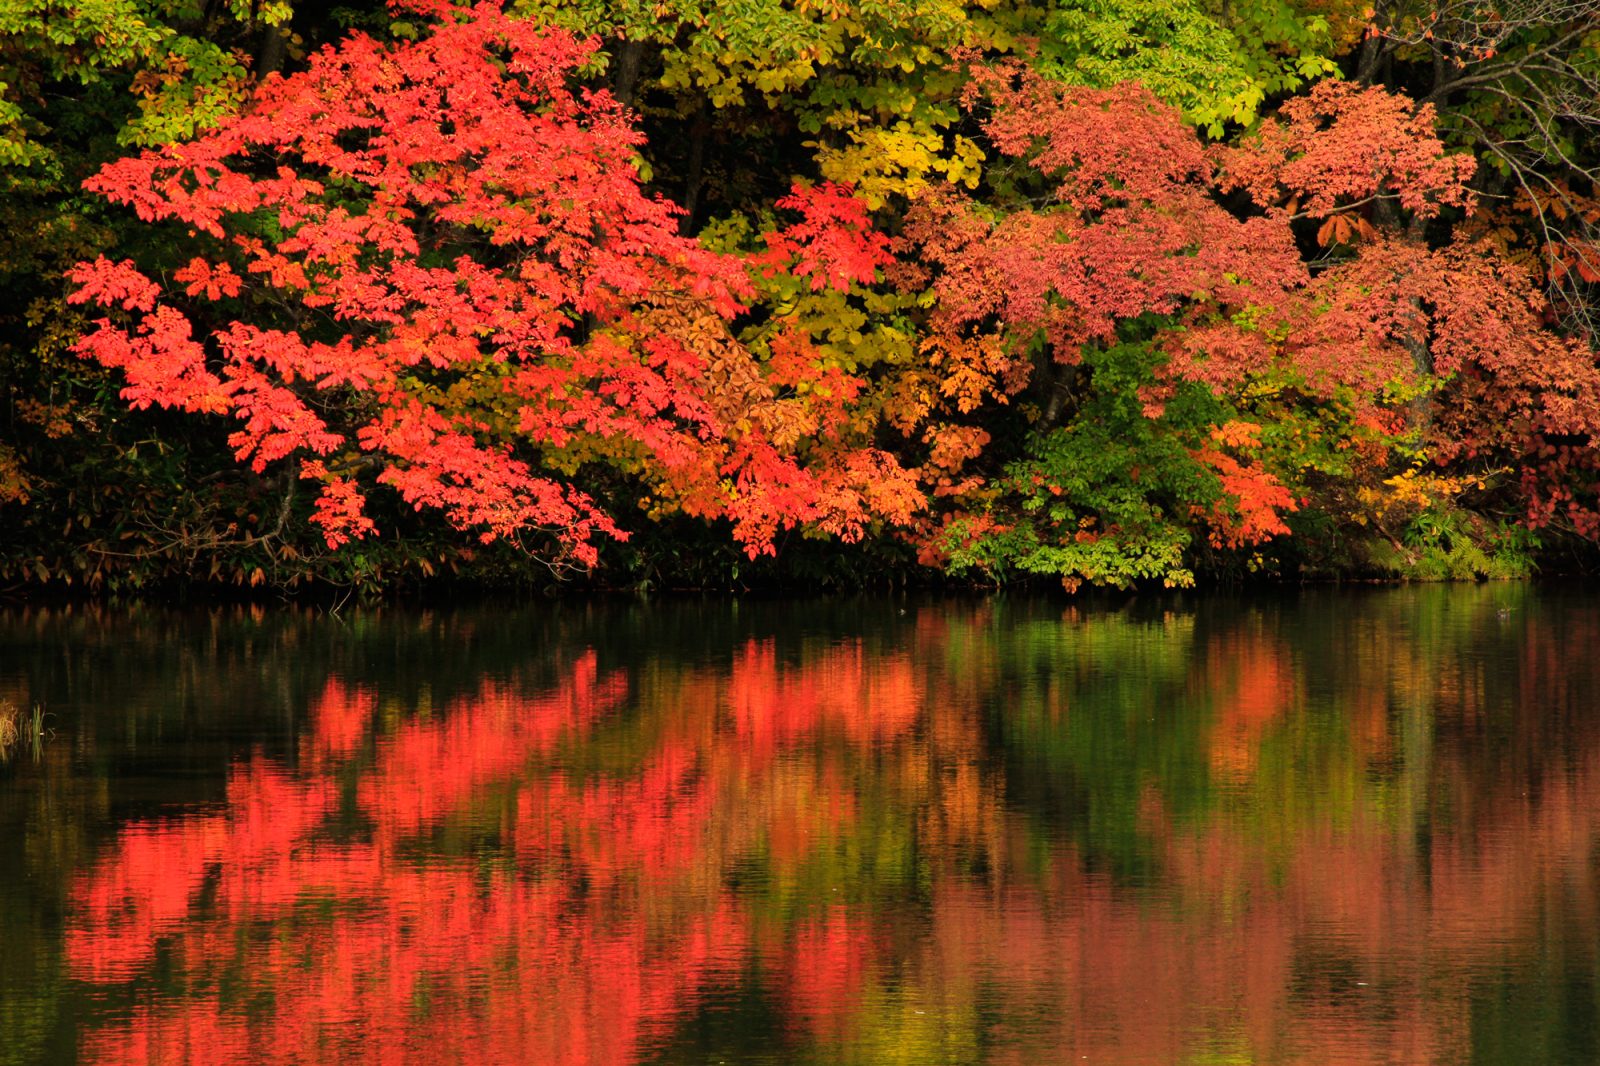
430 265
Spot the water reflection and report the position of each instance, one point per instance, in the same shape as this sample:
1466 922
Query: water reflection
1331 829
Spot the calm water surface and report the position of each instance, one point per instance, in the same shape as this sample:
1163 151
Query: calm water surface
1325 828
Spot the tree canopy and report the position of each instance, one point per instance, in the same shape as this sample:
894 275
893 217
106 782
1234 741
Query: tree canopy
1082 290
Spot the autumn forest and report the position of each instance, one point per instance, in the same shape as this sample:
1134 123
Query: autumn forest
699 294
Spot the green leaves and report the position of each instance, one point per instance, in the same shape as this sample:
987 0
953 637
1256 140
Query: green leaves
1111 498
1219 75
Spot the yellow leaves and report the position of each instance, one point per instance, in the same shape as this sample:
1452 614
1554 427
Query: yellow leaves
881 74
783 78
725 74
1415 490
882 162
965 166
845 118
275 13
897 160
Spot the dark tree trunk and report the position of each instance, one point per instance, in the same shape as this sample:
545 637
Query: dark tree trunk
273 50
1056 381
625 73
1372 50
694 177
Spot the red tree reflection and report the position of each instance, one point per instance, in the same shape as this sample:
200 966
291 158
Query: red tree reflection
593 928
564 876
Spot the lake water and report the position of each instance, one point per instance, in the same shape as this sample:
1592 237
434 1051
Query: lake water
1332 827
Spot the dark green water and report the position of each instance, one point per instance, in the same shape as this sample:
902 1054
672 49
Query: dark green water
1333 827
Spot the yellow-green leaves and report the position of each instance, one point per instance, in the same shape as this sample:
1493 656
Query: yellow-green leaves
1217 69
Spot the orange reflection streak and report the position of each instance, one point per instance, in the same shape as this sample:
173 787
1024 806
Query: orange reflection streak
1262 689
